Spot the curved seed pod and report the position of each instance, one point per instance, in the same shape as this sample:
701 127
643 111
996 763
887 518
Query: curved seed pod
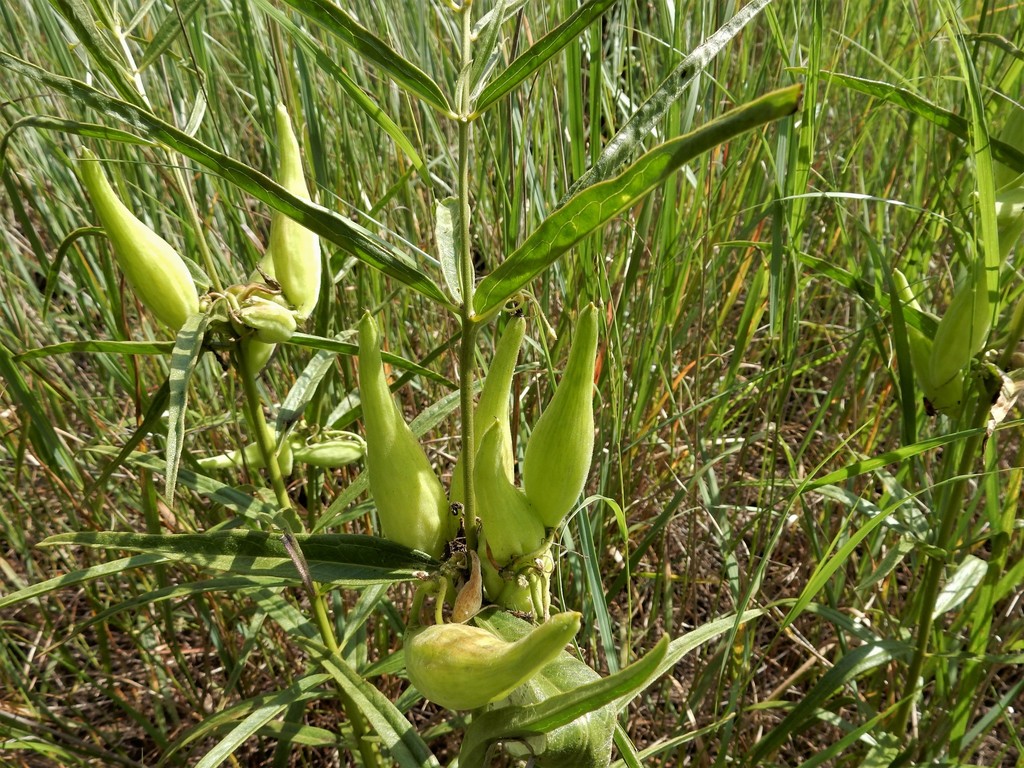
948 397
337 452
464 667
295 250
155 271
272 322
494 401
250 455
963 330
255 355
511 528
411 503
561 447
586 742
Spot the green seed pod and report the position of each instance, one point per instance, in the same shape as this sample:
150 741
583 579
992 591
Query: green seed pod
295 250
561 447
948 397
250 455
464 667
494 401
963 330
272 322
411 502
255 355
155 271
585 742
511 527
330 454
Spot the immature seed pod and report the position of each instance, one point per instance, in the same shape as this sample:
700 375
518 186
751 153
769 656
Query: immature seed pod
155 271
560 449
272 322
411 502
463 667
255 355
963 329
586 742
948 397
330 454
295 250
494 401
510 525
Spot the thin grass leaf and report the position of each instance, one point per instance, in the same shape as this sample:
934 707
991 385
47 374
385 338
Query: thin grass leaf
76 127
631 136
45 441
542 51
187 348
79 577
961 585
345 348
596 205
97 347
347 560
172 26
343 26
346 234
400 739
862 659
485 50
302 391
522 722
370 107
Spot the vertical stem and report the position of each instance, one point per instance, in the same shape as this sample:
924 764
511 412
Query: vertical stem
265 440
466 280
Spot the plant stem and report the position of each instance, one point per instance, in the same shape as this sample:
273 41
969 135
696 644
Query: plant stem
466 280
268 450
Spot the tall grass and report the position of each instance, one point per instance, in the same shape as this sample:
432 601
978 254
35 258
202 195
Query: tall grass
761 441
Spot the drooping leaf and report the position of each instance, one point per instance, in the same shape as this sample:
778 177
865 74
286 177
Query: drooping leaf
188 346
347 560
598 204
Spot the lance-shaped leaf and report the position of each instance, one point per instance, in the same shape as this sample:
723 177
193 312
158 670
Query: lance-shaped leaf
351 237
629 137
348 560
598 204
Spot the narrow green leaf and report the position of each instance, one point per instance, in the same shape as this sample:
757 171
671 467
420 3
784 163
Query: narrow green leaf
862 659
485 49
955 124
522 722
399 737
172 26
370 107
97 347
347 560
77 127
965 579
53 271
187 348
345 348
79 577
540 52
598 204
342 25
638 127
346 234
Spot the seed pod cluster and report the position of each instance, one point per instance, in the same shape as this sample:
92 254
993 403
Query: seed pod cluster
464 667
155 271
411 503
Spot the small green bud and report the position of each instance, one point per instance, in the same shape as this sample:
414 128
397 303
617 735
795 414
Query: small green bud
463 667
295 250
155 271
411 502
272 322
561 447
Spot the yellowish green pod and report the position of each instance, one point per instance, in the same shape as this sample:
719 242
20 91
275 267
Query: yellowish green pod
331 453
411 503
494 401
963 329
295 250
271 322
155 271
463 667
561 447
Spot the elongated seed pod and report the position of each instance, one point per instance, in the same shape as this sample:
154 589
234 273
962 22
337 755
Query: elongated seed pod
963 329
463 667
155 272
511 526
330 454
948 397
494 401
561 447
583 743
411 503
295 250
